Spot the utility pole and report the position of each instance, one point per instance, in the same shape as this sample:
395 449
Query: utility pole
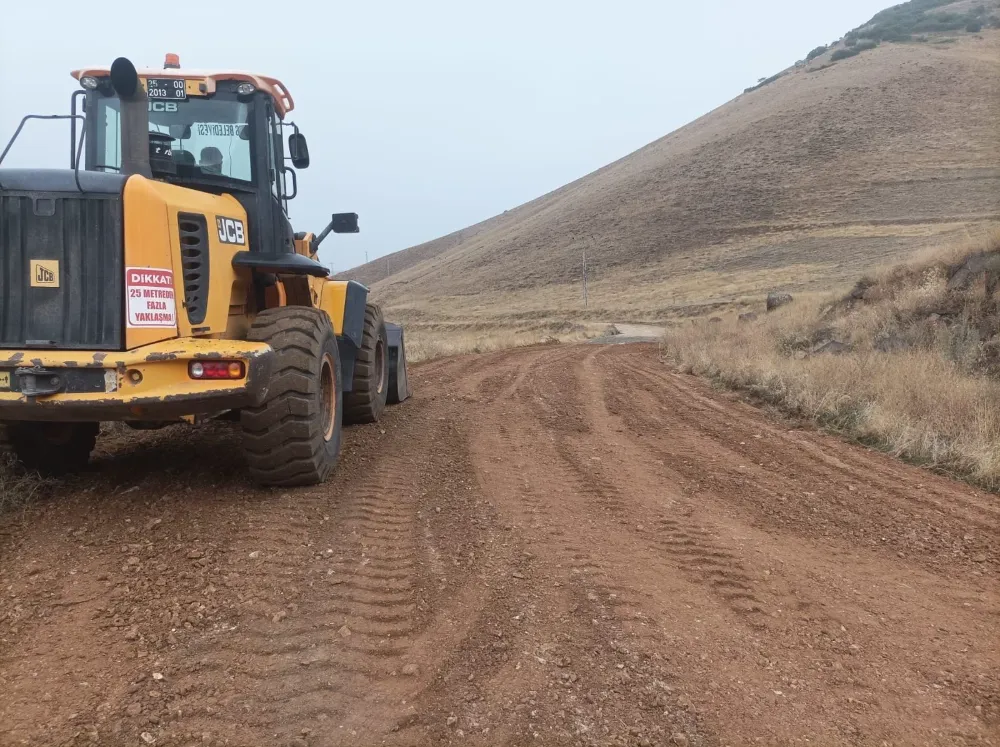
366 256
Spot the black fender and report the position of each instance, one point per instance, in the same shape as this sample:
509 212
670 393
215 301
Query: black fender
399 382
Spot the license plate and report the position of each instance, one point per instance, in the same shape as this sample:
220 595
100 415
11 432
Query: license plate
4 379
165 88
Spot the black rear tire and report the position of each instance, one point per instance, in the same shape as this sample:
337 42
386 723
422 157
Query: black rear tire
366 400
52 448
293 438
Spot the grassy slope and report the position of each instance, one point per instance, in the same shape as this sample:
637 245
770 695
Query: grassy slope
918 379
798 184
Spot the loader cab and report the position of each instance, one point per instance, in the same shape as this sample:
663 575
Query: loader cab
226 141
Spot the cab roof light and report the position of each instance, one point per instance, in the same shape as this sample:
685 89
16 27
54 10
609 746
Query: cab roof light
171 61
89 82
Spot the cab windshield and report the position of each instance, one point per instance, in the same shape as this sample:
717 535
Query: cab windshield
209 137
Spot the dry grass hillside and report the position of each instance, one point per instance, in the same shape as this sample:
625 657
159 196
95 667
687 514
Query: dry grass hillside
908 360
831 168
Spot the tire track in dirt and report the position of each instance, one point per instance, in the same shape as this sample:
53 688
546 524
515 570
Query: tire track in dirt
314 655
954 526
582 589
691 550
328 650
813 612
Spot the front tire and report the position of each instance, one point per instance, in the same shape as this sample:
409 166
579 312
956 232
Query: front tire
52 448
293 437
370 386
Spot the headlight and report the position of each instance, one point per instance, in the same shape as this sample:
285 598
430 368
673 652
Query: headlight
245 89
89 82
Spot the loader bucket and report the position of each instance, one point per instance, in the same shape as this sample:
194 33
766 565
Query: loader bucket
399 384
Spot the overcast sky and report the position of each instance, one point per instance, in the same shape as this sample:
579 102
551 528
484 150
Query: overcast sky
425 117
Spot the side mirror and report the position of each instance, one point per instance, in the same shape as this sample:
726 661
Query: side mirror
339 223
179 131
344 223
298 150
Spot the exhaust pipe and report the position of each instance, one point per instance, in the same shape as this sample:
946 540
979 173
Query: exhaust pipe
134 118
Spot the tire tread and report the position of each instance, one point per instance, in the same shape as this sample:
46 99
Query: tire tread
283 437
364 403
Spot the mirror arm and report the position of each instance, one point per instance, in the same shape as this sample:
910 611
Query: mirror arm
314 246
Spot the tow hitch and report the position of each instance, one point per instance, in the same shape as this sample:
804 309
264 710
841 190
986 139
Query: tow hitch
39 382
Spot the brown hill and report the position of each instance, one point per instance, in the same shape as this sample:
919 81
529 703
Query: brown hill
827 170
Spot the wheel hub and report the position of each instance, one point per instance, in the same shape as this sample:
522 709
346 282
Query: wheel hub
380 365
328 391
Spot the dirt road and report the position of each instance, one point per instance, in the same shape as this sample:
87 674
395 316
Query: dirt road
554 545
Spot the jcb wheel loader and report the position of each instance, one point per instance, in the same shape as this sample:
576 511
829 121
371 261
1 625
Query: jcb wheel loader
158 280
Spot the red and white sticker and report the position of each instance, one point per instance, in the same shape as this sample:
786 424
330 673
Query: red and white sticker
150 297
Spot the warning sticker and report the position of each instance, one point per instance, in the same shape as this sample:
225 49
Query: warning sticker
150 297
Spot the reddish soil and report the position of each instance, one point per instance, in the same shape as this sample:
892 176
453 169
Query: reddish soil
555 545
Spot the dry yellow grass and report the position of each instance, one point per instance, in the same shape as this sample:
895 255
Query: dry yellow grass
919 379
677 287
429 341
18 487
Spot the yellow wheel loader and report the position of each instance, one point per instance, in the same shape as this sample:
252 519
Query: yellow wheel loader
158 280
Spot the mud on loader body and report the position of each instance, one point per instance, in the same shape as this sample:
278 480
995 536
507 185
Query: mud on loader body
158 280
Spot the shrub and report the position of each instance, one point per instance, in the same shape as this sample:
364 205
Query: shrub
899 23
852 42
843 54
816 53
858 48
763 82
18 487
975 27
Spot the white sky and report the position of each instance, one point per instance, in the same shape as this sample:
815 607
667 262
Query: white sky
425 117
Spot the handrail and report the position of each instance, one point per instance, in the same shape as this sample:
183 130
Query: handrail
74 158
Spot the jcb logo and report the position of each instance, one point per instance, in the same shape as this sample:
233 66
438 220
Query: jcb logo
230 231
44 273
162 106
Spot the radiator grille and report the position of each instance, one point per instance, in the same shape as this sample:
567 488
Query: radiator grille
76 300
196 263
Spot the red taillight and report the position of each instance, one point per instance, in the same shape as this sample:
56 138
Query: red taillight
217 369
